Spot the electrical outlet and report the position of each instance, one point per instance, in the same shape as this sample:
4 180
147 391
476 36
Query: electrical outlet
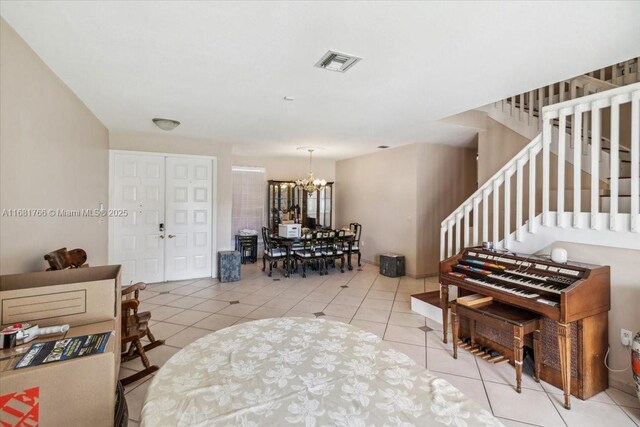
625 337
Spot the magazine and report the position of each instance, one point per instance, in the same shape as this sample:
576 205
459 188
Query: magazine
65 349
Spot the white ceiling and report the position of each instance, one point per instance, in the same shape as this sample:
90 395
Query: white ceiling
223 68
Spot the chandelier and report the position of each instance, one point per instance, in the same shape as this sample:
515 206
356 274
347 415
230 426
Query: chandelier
310 183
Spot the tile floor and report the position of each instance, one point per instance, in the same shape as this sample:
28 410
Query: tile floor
187 310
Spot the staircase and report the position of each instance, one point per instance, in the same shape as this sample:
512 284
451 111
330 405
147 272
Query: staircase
589 194
591 126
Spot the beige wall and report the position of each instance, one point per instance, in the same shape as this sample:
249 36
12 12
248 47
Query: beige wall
400 196
379 191
53 155
496 146
625 299
167 143
446 177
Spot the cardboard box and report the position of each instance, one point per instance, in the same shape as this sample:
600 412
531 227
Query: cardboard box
76 392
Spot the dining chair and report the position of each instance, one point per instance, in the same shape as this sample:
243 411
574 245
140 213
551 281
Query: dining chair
356 229
273 253
332 249
311 252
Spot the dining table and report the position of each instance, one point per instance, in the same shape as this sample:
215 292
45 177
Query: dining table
302 371
289 241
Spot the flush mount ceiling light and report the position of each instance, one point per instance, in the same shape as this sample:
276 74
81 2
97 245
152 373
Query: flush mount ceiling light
336 61
166 124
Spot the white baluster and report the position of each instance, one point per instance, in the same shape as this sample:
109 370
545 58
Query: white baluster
563 88
546 146
531 104
449 238
532 190
458 219
519 174
465 236
614 170
443 232
513 101
485 216
476 225
562 136
586 125
521 110
551 94
576 125
507 209
540 105
635 160
496 212
595 165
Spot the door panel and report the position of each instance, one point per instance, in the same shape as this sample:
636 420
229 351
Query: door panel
188 212
139 187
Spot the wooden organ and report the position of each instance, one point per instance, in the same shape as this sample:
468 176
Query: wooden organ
574 299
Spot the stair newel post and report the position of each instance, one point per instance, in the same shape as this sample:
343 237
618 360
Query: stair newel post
476 225
595 164
532 189
507 208
562 137
614 153
635 160
485 215
519 190
546 147
576 130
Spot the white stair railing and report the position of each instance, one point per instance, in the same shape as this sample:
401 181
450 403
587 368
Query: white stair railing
476 213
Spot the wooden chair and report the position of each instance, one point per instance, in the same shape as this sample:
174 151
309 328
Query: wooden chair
356 229
273 253
62 259
135 327
332 249
311 252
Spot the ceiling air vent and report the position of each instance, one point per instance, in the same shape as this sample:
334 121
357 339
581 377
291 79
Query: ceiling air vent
336 61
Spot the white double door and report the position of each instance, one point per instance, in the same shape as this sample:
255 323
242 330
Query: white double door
168 232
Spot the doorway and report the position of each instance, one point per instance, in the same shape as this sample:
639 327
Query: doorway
168 232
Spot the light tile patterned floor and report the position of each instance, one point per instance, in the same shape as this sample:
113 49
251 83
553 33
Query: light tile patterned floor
185 311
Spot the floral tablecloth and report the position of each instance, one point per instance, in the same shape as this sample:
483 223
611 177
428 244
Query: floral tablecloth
295 371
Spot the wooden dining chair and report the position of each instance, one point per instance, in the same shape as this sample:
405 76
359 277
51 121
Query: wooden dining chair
356 229
311 252
332 249
273 253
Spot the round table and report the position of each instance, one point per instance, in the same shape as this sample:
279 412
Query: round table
299 371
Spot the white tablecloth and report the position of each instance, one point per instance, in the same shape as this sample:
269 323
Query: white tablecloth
295 371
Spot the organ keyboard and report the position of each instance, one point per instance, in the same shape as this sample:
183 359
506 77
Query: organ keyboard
574 297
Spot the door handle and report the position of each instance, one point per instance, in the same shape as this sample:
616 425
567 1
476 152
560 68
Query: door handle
171 236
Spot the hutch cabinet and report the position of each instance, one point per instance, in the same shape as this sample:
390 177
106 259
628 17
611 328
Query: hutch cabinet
311 209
